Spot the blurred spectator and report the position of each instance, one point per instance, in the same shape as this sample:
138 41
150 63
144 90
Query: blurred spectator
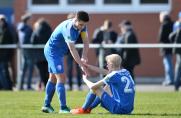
165 29
41 34
177 24
70 63
177 51
130 56
25 32
6 37
13 63
105 35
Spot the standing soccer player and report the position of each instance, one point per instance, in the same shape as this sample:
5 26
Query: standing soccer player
118 94
62 39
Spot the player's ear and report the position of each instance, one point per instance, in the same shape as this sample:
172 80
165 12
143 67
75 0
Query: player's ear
112 66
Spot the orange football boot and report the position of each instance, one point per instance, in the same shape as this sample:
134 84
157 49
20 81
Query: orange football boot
80 111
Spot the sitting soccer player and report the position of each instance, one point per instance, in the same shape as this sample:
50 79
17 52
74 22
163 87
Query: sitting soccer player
117 96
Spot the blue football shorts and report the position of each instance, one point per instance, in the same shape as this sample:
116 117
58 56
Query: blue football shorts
55 63
111 104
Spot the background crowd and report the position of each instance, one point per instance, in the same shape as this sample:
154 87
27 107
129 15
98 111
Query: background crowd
39 33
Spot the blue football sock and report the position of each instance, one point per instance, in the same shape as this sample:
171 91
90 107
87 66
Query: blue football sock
61 94
49 91
89 99
96 102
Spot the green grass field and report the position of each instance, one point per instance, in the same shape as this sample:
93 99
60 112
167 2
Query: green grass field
27 104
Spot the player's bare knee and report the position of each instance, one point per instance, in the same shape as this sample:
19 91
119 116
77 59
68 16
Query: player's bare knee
93 89
98 92
60 80
52 79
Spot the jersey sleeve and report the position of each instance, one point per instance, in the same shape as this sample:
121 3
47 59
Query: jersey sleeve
106 79
110 78
83 33
68 35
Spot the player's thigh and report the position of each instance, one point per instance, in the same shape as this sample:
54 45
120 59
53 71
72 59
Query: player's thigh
110 104
99 91
56 65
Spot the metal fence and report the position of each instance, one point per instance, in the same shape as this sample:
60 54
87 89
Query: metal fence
101 48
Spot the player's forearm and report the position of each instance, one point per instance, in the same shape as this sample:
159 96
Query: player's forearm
92 85
86 47
88 83
98 84
98 70
75 54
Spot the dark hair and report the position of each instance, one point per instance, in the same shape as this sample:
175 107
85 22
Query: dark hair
82 16
25 17
5 24
167 18
125 23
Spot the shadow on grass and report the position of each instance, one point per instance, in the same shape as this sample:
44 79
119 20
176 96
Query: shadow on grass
156 114
145 114
133 114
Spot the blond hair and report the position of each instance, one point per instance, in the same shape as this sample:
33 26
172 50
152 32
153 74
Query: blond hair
115 59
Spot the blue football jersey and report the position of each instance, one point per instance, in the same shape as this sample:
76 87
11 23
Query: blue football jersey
176 25
63 33
122 87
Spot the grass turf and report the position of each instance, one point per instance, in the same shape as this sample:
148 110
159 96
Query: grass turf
27 104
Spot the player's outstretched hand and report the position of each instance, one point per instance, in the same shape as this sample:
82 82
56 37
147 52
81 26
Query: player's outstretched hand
84 60
89 83
84 77
86 65
85 70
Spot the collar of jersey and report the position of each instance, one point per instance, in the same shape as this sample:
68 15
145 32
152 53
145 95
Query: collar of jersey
73 24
